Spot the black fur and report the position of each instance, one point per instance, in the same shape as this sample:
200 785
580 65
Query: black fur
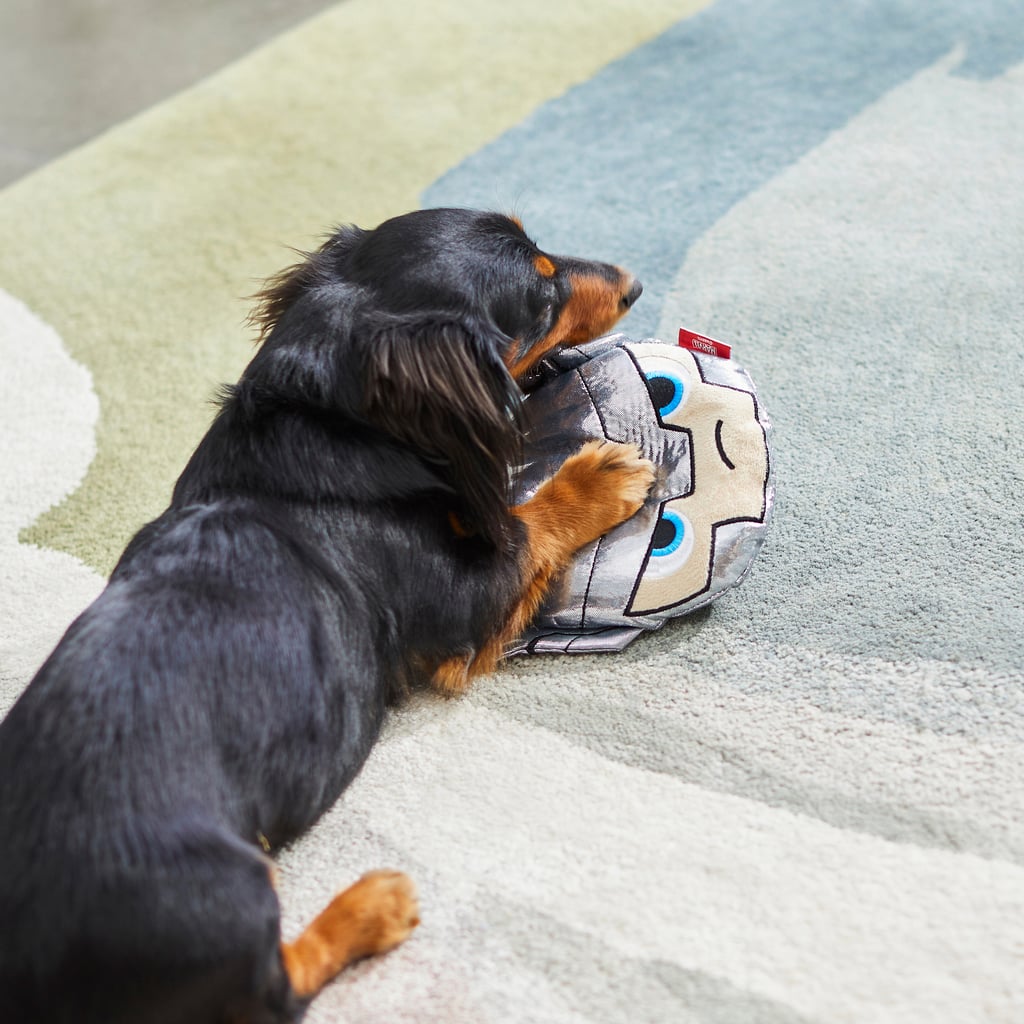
230 680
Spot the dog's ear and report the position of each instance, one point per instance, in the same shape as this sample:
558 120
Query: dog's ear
441 386
281 292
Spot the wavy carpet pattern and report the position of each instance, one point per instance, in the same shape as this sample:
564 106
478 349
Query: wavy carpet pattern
805 804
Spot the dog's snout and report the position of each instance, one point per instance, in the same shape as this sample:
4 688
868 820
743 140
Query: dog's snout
634 293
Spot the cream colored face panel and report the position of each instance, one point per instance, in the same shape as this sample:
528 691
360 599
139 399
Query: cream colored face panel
730 473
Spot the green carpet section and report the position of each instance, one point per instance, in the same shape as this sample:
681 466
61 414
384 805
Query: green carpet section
140 247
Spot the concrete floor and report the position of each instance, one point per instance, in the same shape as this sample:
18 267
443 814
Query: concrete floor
71 68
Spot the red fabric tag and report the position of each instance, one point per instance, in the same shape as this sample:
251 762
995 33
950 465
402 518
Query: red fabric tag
698 343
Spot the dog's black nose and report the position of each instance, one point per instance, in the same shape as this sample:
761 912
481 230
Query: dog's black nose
635 290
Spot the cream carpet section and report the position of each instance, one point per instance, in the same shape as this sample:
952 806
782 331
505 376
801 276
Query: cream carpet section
48 412
793 910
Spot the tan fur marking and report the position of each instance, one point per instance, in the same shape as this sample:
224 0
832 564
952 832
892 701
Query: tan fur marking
374 915
594 307
458 527
451 677
544 266
600 486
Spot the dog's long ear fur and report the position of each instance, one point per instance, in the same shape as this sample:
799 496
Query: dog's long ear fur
280 292
440 385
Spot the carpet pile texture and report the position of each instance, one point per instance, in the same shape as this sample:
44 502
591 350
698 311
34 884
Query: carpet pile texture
804 805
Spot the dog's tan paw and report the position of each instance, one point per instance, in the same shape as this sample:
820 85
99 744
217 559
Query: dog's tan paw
610 482
594 490
374 915
385 910
452 677
633 475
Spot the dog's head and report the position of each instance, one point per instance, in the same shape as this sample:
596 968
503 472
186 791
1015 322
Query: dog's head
425 327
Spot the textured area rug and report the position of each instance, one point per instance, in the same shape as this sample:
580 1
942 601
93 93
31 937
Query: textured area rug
805 804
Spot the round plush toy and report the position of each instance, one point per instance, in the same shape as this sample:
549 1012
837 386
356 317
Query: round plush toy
697 417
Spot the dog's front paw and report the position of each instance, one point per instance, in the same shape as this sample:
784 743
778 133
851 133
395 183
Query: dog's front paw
631 475
604 484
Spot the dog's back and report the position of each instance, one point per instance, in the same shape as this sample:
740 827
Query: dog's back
218 695
148 744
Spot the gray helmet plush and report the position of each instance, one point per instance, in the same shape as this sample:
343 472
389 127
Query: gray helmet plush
697 417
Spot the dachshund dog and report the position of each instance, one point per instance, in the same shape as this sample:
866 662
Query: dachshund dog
342 533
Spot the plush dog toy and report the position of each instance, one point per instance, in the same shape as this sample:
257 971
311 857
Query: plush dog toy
695 414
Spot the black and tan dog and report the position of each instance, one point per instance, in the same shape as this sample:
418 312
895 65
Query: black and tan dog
342 532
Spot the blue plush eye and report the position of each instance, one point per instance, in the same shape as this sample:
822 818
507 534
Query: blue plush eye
668 534
671 545
668 384
666 391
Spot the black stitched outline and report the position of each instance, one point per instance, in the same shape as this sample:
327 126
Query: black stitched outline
718 443
600 540
657 410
